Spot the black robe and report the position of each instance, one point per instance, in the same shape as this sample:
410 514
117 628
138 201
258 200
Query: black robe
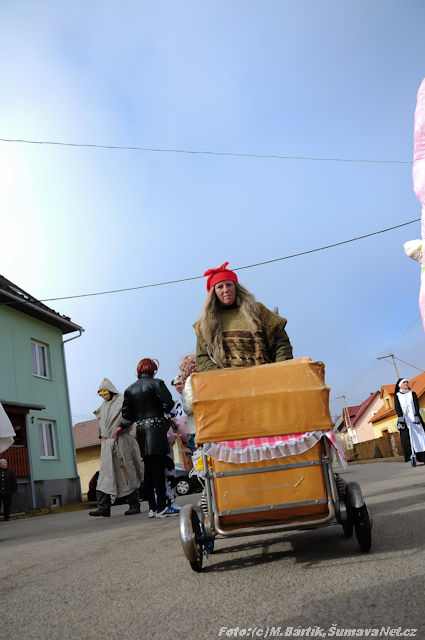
404 429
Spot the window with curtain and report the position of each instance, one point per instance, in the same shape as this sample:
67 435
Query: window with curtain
39 359
46 434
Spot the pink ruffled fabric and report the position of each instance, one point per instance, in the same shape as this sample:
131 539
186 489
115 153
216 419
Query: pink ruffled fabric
268 448
418 172
418 175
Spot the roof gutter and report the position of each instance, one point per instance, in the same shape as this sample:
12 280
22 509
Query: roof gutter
44 310
69 410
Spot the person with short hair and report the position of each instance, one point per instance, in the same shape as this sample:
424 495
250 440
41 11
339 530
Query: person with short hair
146 401
8 486
234 329
178 384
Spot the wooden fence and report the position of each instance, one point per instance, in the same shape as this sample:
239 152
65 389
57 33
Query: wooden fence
387 446
17 460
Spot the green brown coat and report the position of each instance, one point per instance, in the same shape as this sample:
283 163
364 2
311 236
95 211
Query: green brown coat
271 344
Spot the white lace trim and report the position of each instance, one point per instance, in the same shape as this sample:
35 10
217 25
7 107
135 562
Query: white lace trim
256 453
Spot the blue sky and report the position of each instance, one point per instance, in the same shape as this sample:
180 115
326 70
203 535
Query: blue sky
290 78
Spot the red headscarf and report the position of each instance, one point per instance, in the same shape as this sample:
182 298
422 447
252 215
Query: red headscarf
218 275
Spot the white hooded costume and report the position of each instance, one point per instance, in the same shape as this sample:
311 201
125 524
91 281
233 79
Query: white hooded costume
114 480
7 432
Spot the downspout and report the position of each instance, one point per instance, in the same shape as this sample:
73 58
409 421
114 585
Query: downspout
80 496
30 465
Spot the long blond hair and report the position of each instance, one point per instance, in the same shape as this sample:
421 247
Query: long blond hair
210 321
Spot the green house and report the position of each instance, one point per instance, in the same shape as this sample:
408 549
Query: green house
34 394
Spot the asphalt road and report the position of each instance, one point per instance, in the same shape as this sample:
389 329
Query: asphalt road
72 577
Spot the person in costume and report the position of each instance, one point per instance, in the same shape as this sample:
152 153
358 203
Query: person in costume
410 423
178 384
146 401
120 460
234 329
7 432
188 367
170 471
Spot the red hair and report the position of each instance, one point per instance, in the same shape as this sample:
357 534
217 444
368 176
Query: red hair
147 366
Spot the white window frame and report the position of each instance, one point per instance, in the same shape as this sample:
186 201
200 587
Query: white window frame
35 355
44 427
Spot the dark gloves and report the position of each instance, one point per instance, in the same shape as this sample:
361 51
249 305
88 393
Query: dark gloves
401 423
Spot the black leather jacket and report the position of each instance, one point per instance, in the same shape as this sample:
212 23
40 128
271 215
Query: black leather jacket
146 398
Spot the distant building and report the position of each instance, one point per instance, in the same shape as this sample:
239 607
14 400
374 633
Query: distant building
34 393
355 424
87 448
385 420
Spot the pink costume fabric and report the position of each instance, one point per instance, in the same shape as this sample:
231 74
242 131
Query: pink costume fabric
414 248
268 448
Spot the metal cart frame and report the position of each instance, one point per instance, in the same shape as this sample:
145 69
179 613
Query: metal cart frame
345 504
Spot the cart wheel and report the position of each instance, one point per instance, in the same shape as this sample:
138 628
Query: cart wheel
196 526
191 536
348 525
348 528
363 527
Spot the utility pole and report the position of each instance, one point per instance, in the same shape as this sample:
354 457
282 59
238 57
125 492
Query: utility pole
350 426
391 355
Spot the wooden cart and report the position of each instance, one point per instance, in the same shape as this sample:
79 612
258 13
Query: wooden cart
283 492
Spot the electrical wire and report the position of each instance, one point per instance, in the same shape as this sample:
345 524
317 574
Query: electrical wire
250 266
407 325
406 330
409 365
208 153
411 330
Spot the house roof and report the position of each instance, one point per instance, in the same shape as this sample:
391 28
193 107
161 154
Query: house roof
383 413
389 388
364 406
86 434
350 411
416 384
15 297
348 415
356 412
339 424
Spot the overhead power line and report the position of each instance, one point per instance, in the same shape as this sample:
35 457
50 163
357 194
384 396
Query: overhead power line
249 266
206 153
402 334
